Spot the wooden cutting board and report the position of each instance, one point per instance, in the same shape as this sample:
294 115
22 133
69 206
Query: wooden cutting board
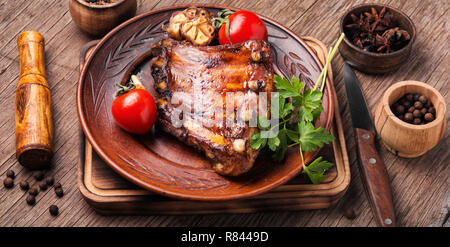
110 194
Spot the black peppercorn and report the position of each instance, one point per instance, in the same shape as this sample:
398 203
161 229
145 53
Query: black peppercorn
432 110
57 185
43 185
423 99
10 174
53 210
416 97
409 117
34 191
417 114
417 121
31 200
24 185
423 111
349 214
418 105
8 182
400 109
411 109
406 104
429 117
409 97
50 180
39 176
59 192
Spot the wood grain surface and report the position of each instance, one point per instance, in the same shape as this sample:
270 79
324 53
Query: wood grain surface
421 190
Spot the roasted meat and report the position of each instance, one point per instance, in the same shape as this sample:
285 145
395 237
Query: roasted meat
208 96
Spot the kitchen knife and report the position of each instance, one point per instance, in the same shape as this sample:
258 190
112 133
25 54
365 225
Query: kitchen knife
374 173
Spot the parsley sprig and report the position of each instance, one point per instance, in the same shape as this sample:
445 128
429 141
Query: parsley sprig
299 108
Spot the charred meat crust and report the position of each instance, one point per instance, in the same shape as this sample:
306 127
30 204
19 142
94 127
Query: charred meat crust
244 68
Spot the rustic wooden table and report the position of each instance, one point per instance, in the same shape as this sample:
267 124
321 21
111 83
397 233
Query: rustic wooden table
421 186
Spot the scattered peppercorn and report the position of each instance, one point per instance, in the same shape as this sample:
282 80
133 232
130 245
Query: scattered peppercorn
39 176
350 214
54 210
31 200
57 185
59 192
50 180
8 182
43 185
414 108
34 191
10 174
24 185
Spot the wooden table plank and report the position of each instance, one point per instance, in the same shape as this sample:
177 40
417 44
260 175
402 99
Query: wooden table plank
421 186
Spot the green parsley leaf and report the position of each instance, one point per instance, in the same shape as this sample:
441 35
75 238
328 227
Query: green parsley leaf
310 138
256 142
315 171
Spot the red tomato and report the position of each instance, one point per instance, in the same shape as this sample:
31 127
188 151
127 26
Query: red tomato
135 111
244 25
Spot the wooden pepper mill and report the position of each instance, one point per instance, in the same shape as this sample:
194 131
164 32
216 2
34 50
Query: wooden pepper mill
34 128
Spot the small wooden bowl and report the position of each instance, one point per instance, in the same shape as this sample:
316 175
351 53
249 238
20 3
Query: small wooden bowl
96 19
404 139
371 62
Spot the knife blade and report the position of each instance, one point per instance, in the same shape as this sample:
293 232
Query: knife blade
373 170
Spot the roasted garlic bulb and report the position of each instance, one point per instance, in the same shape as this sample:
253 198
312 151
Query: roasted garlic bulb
192 24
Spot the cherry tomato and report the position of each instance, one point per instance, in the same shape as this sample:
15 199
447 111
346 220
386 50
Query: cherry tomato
135 111
244 25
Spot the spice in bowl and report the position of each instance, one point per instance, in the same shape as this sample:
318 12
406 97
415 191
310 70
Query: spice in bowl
100 2
376 31
414 109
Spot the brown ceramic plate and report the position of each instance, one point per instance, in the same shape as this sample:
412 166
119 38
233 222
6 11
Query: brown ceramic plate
157 161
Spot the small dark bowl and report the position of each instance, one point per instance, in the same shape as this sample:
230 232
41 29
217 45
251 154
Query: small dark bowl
371 62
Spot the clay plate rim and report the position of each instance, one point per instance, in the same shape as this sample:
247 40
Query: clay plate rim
162 191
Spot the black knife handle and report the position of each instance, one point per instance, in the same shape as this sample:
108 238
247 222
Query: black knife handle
376 179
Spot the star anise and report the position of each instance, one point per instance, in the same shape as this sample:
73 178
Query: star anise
382 43
376 31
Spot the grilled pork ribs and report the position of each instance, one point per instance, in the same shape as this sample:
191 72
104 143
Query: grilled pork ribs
205 93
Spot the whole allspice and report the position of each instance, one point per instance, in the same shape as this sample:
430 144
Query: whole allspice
24 185
415 109
31 200
43 185
59 192
54 210
10 174
34 191
50 180
349 213
39 176
8 182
